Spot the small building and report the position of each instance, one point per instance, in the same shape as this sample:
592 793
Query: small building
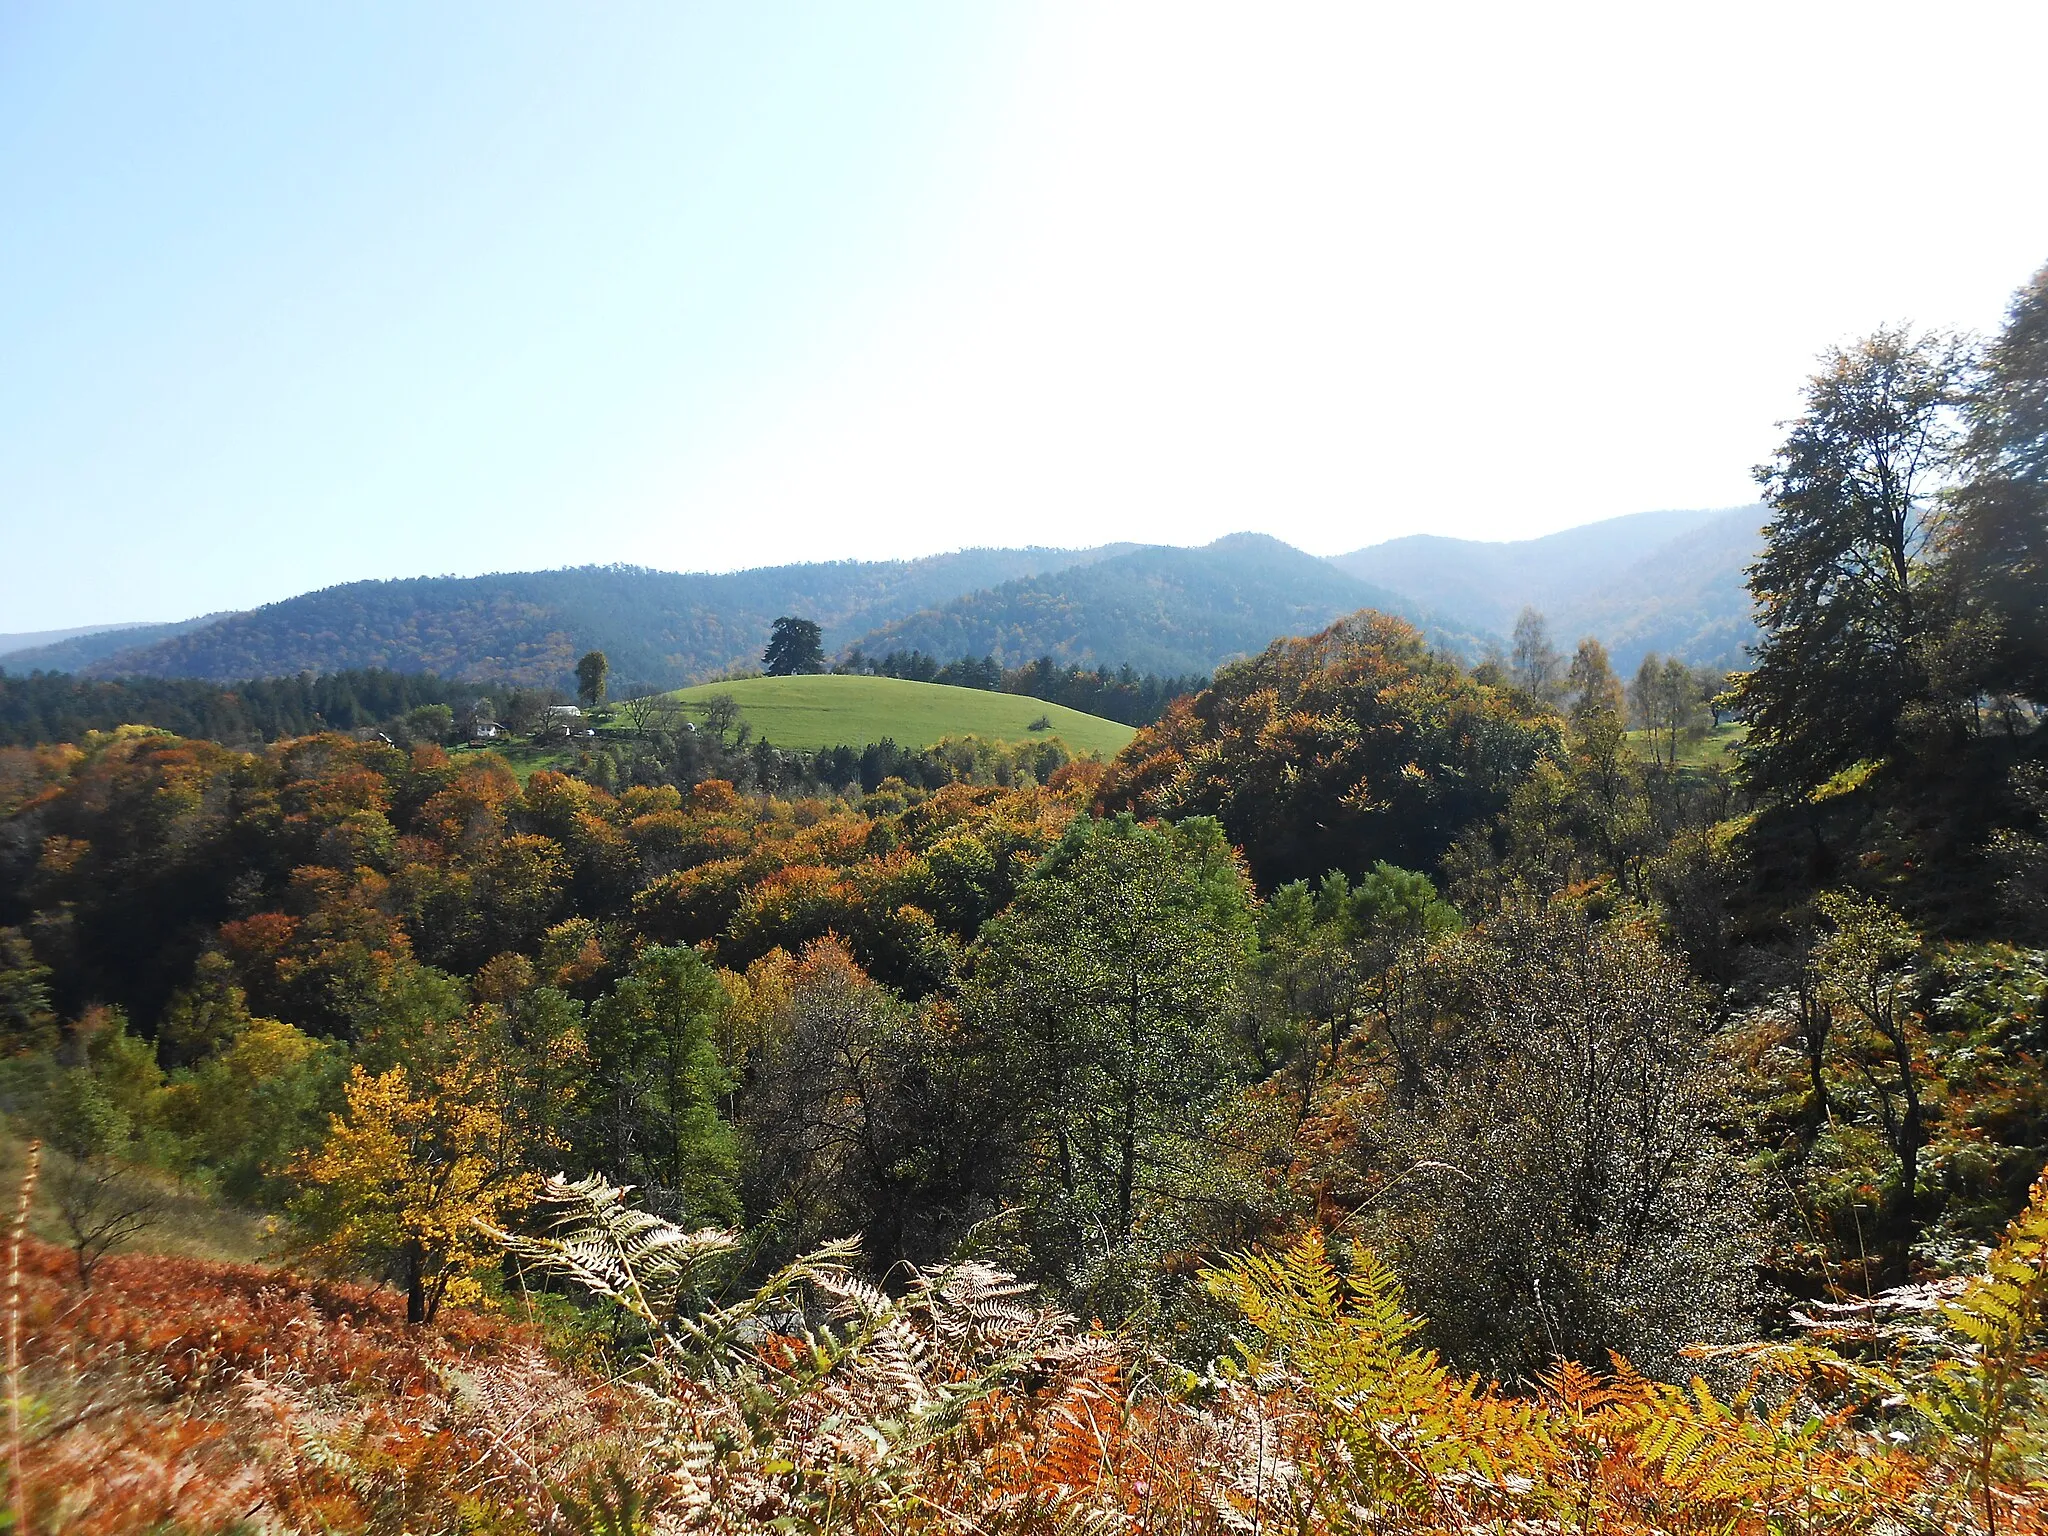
563 714
485 730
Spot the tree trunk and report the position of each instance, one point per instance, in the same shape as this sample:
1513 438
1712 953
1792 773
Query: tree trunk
415 1283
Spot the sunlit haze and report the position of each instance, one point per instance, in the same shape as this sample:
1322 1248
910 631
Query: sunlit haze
293 295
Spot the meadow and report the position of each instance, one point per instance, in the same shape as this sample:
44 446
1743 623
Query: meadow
806 713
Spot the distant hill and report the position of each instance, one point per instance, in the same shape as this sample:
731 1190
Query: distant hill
30 639
658 628
1687 597
805 713
1652 581
1159 609
73 650
1665 581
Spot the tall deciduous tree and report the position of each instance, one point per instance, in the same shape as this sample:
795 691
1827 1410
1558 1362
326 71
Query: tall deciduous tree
1337 751
1999 543
1665 699
796 646
1558 1187
1843 588
407 1171
1591 682
1538 668
1867 977
658 1079
1107 991
862 1112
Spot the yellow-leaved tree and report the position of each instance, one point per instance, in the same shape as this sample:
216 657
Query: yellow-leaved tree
406 1174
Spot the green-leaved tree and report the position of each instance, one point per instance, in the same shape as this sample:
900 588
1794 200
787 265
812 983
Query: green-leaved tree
1107 993
1845 589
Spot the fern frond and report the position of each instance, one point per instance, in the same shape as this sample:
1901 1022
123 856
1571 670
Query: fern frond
617 1251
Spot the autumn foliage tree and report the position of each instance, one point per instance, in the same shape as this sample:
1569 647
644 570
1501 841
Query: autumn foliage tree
1351 747
419 1156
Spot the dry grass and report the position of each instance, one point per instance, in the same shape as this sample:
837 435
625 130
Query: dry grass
191 1223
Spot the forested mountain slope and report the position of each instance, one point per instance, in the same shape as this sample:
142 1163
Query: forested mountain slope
1652 581
1160 609
658 627
76 649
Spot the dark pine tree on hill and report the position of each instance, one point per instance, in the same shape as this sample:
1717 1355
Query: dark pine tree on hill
797 646
592 672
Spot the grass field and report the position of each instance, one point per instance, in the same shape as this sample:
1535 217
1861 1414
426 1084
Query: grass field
804 713
1715 746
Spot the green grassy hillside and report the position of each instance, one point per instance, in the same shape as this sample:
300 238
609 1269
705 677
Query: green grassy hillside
1710 747
808 712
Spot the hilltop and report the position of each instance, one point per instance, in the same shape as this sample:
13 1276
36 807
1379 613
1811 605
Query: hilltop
73 650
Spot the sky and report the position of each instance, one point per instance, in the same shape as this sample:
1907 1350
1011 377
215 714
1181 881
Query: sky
297 294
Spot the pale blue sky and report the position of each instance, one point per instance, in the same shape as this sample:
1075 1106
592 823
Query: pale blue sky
297 294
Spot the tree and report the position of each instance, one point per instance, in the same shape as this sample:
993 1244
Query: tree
1665 700
430 722
656 1083
1536 665
862 1112
1591 682
1558 1188
250 1103
26 1020
1106 993
1867 975
1337 751
591 671
1998 545
1843 589
650 714
1334 956
101 1196
796 646
721 715
410 1167
1710 688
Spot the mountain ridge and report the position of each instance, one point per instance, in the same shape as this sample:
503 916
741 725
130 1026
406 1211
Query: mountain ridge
1159 608
1668 581
658 627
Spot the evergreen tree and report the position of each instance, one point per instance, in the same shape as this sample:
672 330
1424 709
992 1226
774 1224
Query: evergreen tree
591 673
797 646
